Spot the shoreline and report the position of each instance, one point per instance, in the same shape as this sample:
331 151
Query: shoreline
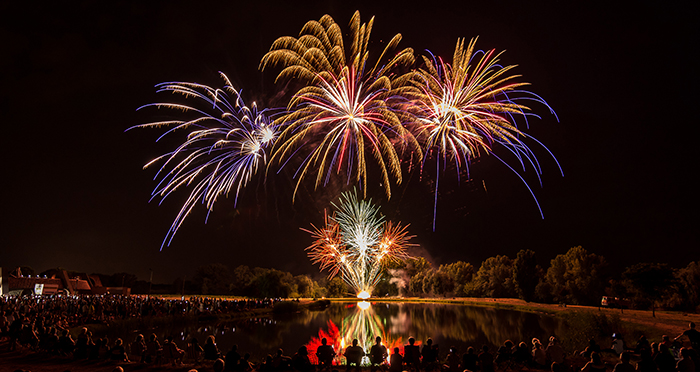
665 322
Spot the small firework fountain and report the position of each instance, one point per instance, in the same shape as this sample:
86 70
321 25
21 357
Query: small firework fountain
357 242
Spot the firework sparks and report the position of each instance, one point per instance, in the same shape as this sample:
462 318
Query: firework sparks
356 242
465 108
347 104
227 143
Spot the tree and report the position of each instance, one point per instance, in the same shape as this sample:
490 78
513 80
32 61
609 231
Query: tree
688 282
336 288
305 286
526 274
417 265
242 281
495 277
577 277
212 279
649 281
415 284
273 283
460 273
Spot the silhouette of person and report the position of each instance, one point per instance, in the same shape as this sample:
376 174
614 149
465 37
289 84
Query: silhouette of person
354 355
377 354
325 354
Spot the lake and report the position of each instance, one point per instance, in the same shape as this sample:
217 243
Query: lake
447 324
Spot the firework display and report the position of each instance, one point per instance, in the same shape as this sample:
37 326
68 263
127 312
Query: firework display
346 109
349 111
357 242
226 145
467 107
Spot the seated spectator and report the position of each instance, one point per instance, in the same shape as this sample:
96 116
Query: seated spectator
153 350
117 352
233 359
246 365
646 362
411 354
624 365
218 363
642 344
539 357
686 364
505 352
103 349
452 360
664 360
171 352
555 353
301 361
266 365
377 354
281 362
470 360
429 354
595 364
194 350
138 349
353 354
486 360
325 354
396 361
211 352
66 343
522 355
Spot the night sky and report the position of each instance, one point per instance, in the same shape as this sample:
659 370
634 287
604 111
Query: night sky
621 80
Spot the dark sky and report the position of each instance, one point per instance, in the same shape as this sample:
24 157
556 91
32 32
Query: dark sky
621 79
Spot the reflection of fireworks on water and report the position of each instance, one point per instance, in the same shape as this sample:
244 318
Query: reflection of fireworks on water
364 325
464 108
228 142
357 242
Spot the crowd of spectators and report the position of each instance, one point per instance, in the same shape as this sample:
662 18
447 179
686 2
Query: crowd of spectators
43 324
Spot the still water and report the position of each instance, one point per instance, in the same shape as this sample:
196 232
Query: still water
448 325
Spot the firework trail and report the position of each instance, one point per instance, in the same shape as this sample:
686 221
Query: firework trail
356 242
226 143
346 106
465 108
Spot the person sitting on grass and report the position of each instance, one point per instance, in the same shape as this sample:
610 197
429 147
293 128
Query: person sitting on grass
624 365
211 352
396 361
153 350
117 352
377 354
595 364
301 361
452 361
138 349
354 355
172 353
194 351
325 354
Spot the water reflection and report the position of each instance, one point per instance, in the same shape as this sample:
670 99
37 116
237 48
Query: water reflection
446 324
362 324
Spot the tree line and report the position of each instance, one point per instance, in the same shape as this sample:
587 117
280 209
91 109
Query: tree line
577 277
